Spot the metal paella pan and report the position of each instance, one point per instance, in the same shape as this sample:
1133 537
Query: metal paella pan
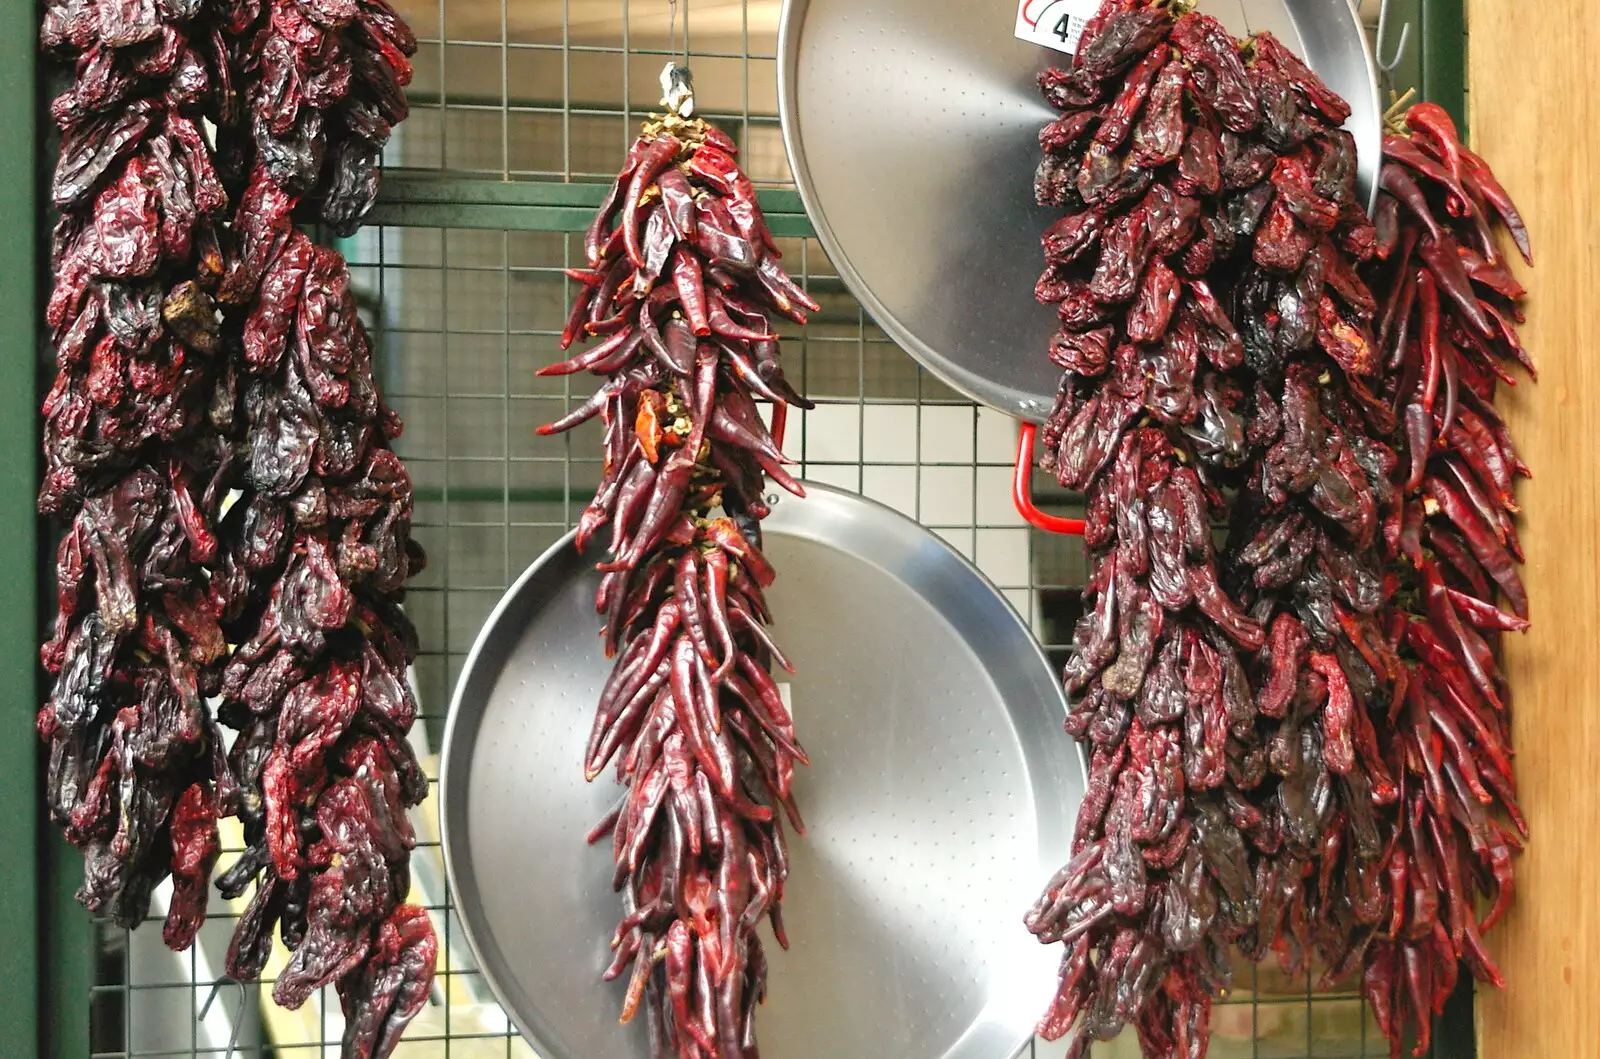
912 129
941 796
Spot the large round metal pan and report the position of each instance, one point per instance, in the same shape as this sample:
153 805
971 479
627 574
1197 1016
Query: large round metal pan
941 797
912 130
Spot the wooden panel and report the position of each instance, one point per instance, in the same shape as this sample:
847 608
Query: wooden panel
1535 104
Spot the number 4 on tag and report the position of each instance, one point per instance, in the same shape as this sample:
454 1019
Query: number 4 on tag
1056 24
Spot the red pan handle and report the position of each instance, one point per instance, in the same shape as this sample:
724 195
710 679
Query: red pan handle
1022 492
780 422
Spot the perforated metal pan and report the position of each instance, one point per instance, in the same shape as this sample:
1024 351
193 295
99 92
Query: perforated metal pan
941 797
912 130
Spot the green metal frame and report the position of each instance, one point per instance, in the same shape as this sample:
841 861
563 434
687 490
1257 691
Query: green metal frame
1435 61
20 879
46 939
423 200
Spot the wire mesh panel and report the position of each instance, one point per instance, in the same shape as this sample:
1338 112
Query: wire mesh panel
465 303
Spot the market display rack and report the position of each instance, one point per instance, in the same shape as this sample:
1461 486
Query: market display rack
517 117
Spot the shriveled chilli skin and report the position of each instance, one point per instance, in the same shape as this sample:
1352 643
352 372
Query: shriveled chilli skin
691 715
1371 705
1151 467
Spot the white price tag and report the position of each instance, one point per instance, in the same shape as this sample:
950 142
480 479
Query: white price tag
1055 24
788 699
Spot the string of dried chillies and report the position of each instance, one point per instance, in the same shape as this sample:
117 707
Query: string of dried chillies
1206 184
136 454
1249 783
317 549
681 294
1448 334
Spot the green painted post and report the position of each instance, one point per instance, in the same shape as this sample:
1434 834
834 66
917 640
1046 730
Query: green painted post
1444 59
20 838
68 955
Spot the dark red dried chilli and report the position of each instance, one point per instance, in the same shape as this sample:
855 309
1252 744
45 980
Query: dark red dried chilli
1207 184
680 294
317 549
326 86
1267 761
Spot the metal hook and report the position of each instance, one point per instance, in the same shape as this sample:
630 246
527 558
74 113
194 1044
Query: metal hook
677 84
1391 65
238 1015
677 90
672 25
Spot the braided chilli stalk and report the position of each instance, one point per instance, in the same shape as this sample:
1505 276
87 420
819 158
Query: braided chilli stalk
1449 332
136 453
677 303
1216 336
317 549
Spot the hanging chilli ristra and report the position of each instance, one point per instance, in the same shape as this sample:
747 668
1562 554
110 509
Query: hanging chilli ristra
1297 744
137 452
317 549
1216 342
679 295
1448 334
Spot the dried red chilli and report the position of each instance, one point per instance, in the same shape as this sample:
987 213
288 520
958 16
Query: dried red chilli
1378 580
316 553
317 548
683 292
326 85
136 454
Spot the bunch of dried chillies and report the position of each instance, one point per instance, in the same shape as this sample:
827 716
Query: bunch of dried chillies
1195 175
1448 334
326 85
137 454
317 549
680 296
199 356
1251 784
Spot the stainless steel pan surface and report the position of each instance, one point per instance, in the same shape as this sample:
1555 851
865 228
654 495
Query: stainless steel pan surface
941 797
912 131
